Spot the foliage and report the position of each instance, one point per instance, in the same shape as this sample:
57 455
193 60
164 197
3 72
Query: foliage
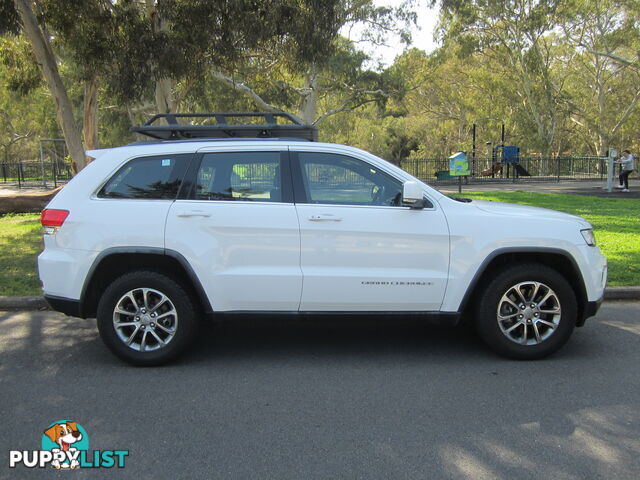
562 75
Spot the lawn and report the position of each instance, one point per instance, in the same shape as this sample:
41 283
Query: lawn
616 223
20 243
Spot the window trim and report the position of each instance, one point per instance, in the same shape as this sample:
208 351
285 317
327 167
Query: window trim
187 191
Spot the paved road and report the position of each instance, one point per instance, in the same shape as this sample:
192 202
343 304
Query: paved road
591 188
330 400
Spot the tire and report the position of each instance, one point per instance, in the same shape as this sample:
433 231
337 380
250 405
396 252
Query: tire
159 326
550 310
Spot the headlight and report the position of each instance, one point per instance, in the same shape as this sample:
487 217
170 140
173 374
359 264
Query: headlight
589 237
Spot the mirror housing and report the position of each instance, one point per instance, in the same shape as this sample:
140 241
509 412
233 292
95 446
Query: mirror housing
412 195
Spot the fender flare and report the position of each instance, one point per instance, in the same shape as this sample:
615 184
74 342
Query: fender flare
521 250
191 274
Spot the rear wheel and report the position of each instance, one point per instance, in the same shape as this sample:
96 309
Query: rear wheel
526 312
146 318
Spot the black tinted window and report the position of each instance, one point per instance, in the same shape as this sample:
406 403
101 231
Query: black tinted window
244 176
157 177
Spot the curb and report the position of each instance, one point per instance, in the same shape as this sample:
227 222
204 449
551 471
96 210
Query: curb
622 293
39 303
23 303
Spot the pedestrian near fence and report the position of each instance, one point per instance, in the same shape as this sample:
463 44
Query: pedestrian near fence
627 163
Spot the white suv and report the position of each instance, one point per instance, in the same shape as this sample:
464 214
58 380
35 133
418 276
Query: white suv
154 236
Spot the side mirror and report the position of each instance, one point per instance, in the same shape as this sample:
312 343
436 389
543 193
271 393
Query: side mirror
412 195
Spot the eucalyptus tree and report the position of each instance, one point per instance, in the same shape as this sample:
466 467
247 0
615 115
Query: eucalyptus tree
519 38
33 26
603 90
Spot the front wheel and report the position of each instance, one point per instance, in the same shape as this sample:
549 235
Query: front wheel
146 318
526 312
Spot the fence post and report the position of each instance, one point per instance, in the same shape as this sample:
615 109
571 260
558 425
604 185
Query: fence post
558 168
44 182
54 166
19 174
4 172
571 165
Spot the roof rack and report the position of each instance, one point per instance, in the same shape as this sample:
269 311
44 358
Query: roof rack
270 128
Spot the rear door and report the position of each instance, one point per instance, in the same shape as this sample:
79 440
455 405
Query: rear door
361 249
237 226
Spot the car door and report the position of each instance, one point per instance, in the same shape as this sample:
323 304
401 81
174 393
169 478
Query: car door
361 249
237 226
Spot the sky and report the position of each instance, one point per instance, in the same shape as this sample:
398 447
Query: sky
422 34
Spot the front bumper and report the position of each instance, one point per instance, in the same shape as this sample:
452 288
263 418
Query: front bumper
590 309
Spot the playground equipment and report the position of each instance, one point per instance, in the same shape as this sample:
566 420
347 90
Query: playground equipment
495 169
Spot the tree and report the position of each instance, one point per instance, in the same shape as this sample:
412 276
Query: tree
310 63
40 41
518 36
599 37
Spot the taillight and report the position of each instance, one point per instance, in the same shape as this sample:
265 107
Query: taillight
52 219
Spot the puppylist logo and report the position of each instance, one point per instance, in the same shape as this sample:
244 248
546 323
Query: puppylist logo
65 445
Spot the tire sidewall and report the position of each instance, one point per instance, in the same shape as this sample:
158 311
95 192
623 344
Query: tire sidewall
487 323
182 301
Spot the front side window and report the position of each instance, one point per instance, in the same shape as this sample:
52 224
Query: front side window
240 176
154 178
341 180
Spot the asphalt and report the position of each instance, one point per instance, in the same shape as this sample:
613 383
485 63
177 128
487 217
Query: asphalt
340 399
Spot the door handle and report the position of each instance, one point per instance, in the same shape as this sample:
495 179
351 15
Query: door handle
327 217
194 213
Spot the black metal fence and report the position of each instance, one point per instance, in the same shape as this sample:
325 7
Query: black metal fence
436 170
35 173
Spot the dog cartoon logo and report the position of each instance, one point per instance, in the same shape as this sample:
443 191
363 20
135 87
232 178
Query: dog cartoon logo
66 438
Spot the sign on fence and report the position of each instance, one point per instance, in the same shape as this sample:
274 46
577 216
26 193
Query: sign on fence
459 165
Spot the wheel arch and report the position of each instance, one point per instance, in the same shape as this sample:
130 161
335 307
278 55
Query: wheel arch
560 260
116 261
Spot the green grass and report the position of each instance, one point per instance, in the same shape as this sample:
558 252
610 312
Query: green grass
616 223
20 243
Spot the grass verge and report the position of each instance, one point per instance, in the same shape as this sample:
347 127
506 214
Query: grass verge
616 223
20 243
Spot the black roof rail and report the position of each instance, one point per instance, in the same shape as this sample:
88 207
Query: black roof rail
270 128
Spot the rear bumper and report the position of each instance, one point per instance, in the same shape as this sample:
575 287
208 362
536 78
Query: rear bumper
65 305
590 309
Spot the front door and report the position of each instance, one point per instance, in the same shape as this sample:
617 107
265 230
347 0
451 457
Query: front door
237 226
361 249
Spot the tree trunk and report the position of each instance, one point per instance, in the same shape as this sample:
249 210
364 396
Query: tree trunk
165 101
49 68
90 125
308 108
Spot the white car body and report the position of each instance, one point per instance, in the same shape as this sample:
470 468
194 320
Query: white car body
291 257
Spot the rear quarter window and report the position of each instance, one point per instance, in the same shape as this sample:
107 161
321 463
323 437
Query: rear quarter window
156 177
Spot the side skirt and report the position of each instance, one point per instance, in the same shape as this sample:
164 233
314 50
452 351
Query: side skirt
444 319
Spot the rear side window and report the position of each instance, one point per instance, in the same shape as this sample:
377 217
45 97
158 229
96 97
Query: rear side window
154 178
240 176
